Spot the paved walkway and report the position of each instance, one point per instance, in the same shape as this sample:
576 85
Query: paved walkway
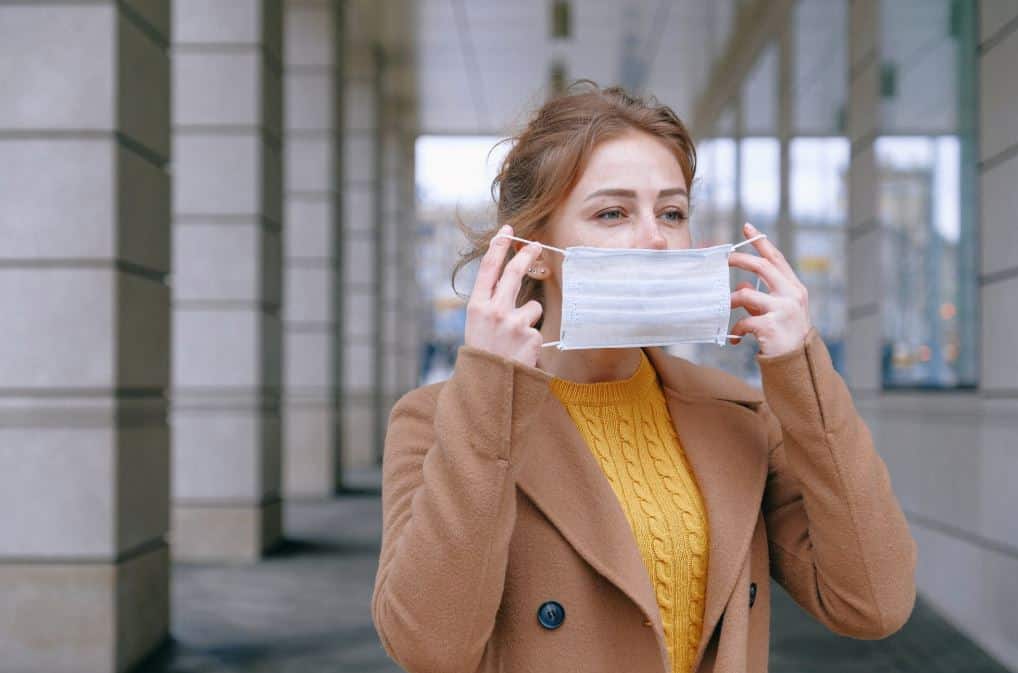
306 609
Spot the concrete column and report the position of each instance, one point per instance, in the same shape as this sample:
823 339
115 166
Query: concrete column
951 454
227 203
964 459
738 133
998 179
409 300
400 285
863 329
312 81
786 93
392 158
84 220
361 235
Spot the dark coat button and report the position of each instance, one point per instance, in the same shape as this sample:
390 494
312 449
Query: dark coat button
752 593
551 614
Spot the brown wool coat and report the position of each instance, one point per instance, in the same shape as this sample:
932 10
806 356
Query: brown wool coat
493 504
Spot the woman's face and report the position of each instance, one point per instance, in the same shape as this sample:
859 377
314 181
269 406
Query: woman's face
632 194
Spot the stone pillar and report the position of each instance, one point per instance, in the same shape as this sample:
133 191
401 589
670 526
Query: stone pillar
738 133
84 220
409 300
786 99
227 204
998 199
863 329
399 283
311 466
361 235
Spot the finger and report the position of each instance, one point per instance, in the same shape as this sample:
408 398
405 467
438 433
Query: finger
768 250
491 262
763 267
508 286
750 325
531 311
754 301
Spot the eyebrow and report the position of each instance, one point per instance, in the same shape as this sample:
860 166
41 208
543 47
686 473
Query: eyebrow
680 191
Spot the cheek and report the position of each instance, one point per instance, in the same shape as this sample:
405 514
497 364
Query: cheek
680 239
580 230
574 224
561 228
601 236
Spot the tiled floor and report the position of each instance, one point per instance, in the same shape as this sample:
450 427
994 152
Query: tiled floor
306 609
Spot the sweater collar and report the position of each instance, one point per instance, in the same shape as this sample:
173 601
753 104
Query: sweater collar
630 389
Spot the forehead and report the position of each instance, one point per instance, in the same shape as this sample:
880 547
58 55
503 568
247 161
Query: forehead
631 161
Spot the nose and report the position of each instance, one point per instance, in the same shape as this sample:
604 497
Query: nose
650 235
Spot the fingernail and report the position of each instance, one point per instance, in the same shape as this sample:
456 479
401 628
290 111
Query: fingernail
750 227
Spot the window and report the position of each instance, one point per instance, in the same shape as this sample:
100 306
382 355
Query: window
817 206
818 164
714 192
926 172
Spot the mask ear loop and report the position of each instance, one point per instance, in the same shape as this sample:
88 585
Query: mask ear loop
523 240
747 242
543 245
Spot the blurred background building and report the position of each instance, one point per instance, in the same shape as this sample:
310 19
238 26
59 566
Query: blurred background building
227 229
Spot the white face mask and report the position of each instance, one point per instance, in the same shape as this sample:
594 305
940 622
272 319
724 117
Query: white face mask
625 297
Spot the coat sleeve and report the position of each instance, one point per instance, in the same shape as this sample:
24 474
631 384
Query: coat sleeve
839 541
449 472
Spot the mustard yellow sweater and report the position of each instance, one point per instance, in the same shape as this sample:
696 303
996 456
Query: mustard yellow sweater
628 428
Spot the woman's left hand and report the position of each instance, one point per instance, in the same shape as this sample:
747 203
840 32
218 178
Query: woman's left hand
779 319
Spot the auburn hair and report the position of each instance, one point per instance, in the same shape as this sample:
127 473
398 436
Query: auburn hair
548 156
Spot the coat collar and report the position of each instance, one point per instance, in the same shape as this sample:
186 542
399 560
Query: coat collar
726 447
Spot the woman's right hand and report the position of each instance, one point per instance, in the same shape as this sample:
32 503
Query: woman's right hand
494 322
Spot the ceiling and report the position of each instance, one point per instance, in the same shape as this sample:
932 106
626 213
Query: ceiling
482 65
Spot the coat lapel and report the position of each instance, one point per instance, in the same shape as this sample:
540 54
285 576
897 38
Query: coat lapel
726 447
566 483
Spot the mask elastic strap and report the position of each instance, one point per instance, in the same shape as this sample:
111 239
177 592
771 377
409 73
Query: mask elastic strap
523 240
746 242
561 251
749 240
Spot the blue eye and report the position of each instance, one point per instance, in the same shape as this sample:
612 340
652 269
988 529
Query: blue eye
674 216
612 214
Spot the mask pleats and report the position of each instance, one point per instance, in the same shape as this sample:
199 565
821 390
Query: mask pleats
622 298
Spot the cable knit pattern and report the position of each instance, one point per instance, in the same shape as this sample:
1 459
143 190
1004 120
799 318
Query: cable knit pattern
629 431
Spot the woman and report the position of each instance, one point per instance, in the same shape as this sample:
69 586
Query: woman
621 509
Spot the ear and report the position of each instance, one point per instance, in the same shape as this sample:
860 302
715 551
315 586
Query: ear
540 269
